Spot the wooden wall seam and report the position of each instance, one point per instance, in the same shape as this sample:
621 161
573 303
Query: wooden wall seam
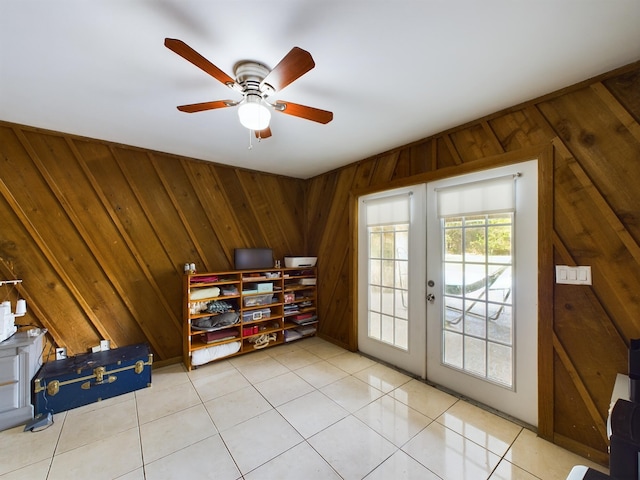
580 386
66 207
184 223
132 248
126 173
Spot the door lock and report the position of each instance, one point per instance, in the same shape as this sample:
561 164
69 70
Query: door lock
431 298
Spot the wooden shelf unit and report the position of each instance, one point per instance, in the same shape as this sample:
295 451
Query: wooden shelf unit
274 305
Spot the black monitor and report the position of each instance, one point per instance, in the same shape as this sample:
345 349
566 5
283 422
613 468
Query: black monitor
253 258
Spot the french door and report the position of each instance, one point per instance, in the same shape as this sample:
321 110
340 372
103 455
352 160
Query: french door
391 289
447 284
482 273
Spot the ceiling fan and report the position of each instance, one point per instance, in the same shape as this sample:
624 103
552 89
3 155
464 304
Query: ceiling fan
256 83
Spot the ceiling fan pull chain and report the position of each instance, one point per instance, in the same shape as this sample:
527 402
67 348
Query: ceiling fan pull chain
250 145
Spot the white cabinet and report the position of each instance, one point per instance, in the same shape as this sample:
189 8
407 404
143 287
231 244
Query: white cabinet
20 359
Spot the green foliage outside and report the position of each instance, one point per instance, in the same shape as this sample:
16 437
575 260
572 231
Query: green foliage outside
483 235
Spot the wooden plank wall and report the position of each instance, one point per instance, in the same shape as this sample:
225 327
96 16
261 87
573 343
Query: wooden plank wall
593 131
99 233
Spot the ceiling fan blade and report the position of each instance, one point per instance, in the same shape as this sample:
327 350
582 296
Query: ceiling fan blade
302 111
266 133
200 107
294 64
189 54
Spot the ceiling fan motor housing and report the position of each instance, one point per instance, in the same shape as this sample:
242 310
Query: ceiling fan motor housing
253 112
249 75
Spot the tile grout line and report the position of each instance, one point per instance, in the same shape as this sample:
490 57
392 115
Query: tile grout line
352 407
219 432
144 470
348 375
275 408
316 389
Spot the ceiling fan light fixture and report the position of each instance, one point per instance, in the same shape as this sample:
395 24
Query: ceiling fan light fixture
253 113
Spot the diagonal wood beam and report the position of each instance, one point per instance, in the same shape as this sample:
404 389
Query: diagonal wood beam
452 149
598 199
580 387
618 110
57 266
183 219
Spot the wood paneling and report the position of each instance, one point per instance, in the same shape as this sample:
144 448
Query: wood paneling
99 233
591 216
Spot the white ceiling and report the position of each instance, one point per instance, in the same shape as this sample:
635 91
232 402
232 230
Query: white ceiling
392 71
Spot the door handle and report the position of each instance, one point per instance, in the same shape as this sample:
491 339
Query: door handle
431 298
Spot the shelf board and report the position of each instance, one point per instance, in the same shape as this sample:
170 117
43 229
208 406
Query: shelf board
212 284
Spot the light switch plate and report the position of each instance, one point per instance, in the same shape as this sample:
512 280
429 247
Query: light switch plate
105 345
580 275
61 353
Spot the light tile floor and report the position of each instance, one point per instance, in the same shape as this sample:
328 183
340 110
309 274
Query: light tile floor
306 410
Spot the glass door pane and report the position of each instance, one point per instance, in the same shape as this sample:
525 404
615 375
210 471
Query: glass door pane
477 329
388 288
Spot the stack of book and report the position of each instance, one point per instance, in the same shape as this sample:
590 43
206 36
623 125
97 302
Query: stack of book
304 318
